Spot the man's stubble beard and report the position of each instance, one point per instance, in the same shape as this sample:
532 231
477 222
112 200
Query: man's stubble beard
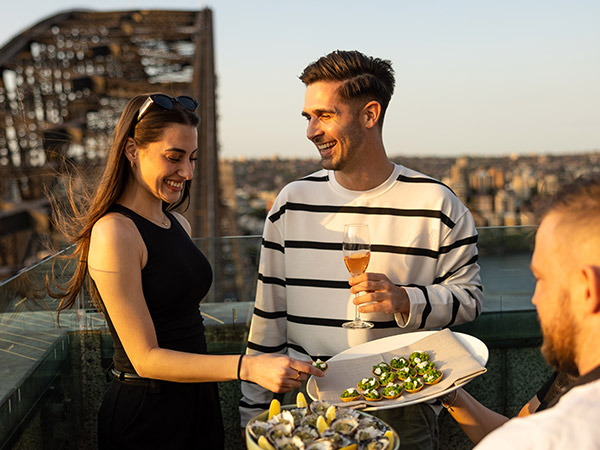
352 144
560 338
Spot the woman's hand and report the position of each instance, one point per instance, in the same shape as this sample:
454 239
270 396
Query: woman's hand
277 373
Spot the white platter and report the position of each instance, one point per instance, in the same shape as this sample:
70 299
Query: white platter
477 348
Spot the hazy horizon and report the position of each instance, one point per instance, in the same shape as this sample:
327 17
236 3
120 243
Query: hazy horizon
473 78
424 156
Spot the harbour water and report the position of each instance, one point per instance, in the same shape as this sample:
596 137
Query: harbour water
508 282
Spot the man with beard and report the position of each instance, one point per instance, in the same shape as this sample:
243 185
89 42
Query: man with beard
423 272
566 265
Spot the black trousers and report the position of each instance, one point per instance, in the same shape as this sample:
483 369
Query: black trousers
416 425
160 415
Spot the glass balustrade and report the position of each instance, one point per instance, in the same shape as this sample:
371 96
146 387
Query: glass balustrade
35 347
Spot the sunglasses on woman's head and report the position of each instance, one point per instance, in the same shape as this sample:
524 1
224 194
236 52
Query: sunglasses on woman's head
167 102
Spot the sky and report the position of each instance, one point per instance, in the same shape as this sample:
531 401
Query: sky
473 77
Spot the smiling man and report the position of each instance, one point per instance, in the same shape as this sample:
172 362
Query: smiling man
423 272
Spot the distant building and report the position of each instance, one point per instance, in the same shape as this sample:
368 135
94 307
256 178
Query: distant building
511 219
505 201
527 218
483 203
497 175
458 180
481 181
549 185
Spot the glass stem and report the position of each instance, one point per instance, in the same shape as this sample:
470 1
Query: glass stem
356 313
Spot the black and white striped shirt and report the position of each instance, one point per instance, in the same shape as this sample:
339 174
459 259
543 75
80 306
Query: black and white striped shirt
423 238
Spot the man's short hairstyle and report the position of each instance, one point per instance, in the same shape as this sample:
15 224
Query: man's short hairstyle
364 78
578 206
577 198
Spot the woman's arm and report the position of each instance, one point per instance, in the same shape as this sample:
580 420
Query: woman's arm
116 257
475 419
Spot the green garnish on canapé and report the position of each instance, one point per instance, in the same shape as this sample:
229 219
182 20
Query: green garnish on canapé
372 394
350 393
398 362
416 357
392 390
321 365
368 383
382 366
432 376
424 366
386 378
406 372
412 384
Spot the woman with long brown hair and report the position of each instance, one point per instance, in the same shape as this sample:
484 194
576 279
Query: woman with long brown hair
148 279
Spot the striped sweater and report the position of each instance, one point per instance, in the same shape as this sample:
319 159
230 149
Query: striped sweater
422 237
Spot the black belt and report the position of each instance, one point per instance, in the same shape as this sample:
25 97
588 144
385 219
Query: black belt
135 379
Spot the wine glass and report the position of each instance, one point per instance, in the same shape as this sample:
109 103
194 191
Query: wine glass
356 246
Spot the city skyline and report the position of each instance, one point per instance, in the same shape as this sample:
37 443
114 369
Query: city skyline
473 78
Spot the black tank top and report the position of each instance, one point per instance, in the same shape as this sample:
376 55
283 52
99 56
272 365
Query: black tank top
175 279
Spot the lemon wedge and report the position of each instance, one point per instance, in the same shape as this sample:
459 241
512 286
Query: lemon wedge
349 447
330 414
321 424
265 444
301 400
388 434
274 408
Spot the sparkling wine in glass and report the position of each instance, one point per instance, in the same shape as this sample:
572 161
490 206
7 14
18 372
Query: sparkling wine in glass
356 246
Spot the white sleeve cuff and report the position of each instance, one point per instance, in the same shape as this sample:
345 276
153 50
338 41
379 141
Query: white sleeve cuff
417 304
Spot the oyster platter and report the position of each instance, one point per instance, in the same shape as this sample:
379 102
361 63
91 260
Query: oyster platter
318 426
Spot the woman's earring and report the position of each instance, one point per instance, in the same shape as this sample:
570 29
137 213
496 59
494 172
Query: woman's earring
132 162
